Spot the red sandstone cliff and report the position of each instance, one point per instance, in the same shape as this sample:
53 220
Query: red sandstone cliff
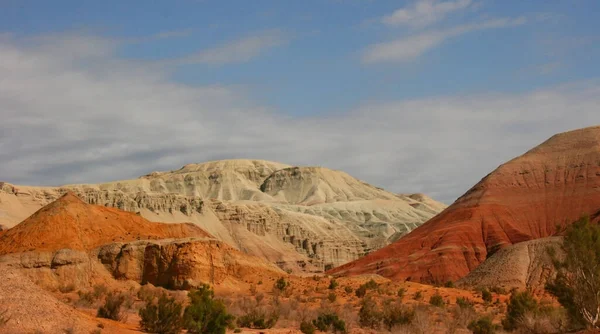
526 198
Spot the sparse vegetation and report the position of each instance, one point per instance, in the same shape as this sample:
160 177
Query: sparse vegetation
449 284
369 314
482 325
362 290
486 295
401 293
111 309
333 284
281 284
437 300
418 295
396 314
348 289
464 303
332 297
520 304
330 321
164 317
205 314
307 327
258 318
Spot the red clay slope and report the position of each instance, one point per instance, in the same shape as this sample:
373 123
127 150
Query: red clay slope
524 199
71 223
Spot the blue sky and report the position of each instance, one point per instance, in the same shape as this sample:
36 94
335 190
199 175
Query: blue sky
418 71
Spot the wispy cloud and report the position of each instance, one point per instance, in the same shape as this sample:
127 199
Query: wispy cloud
424 12
120 119
411 47
238 51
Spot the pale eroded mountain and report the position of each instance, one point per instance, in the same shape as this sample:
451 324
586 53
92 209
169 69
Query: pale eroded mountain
298 217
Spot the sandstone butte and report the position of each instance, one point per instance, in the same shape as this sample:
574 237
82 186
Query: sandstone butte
527 198
71 223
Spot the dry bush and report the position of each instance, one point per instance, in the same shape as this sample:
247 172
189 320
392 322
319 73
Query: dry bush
66 288
554 321
422 321
149 293
111 309
460 318
86 298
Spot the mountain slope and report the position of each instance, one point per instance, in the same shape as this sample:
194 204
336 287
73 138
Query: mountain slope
70 223
526 198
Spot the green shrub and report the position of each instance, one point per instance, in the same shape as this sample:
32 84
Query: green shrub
486 295
333 284
348 289
307 327
204 314
369 314
163 317
112 307
327 321
281 284
332 297
371 284
449 284
482 326
464 303
577 283
520 303
418 295
362 290
401 292
237 330
437 300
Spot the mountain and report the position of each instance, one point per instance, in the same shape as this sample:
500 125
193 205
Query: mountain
527 198
307 218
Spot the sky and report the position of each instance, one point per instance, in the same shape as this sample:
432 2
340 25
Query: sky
412 96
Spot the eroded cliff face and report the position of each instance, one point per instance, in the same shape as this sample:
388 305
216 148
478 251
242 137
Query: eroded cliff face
181 263
526 198
302 218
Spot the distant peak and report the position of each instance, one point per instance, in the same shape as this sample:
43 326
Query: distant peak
70 197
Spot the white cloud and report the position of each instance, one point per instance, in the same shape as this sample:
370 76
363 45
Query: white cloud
238 51
425 12
413 46
71 112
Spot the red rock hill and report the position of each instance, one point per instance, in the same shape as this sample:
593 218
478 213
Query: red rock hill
525 198
71 223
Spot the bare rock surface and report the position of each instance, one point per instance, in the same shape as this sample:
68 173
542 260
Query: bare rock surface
526 265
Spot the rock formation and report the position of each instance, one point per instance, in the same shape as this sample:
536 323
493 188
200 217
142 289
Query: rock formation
307 218
524 199
69 242
526 265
